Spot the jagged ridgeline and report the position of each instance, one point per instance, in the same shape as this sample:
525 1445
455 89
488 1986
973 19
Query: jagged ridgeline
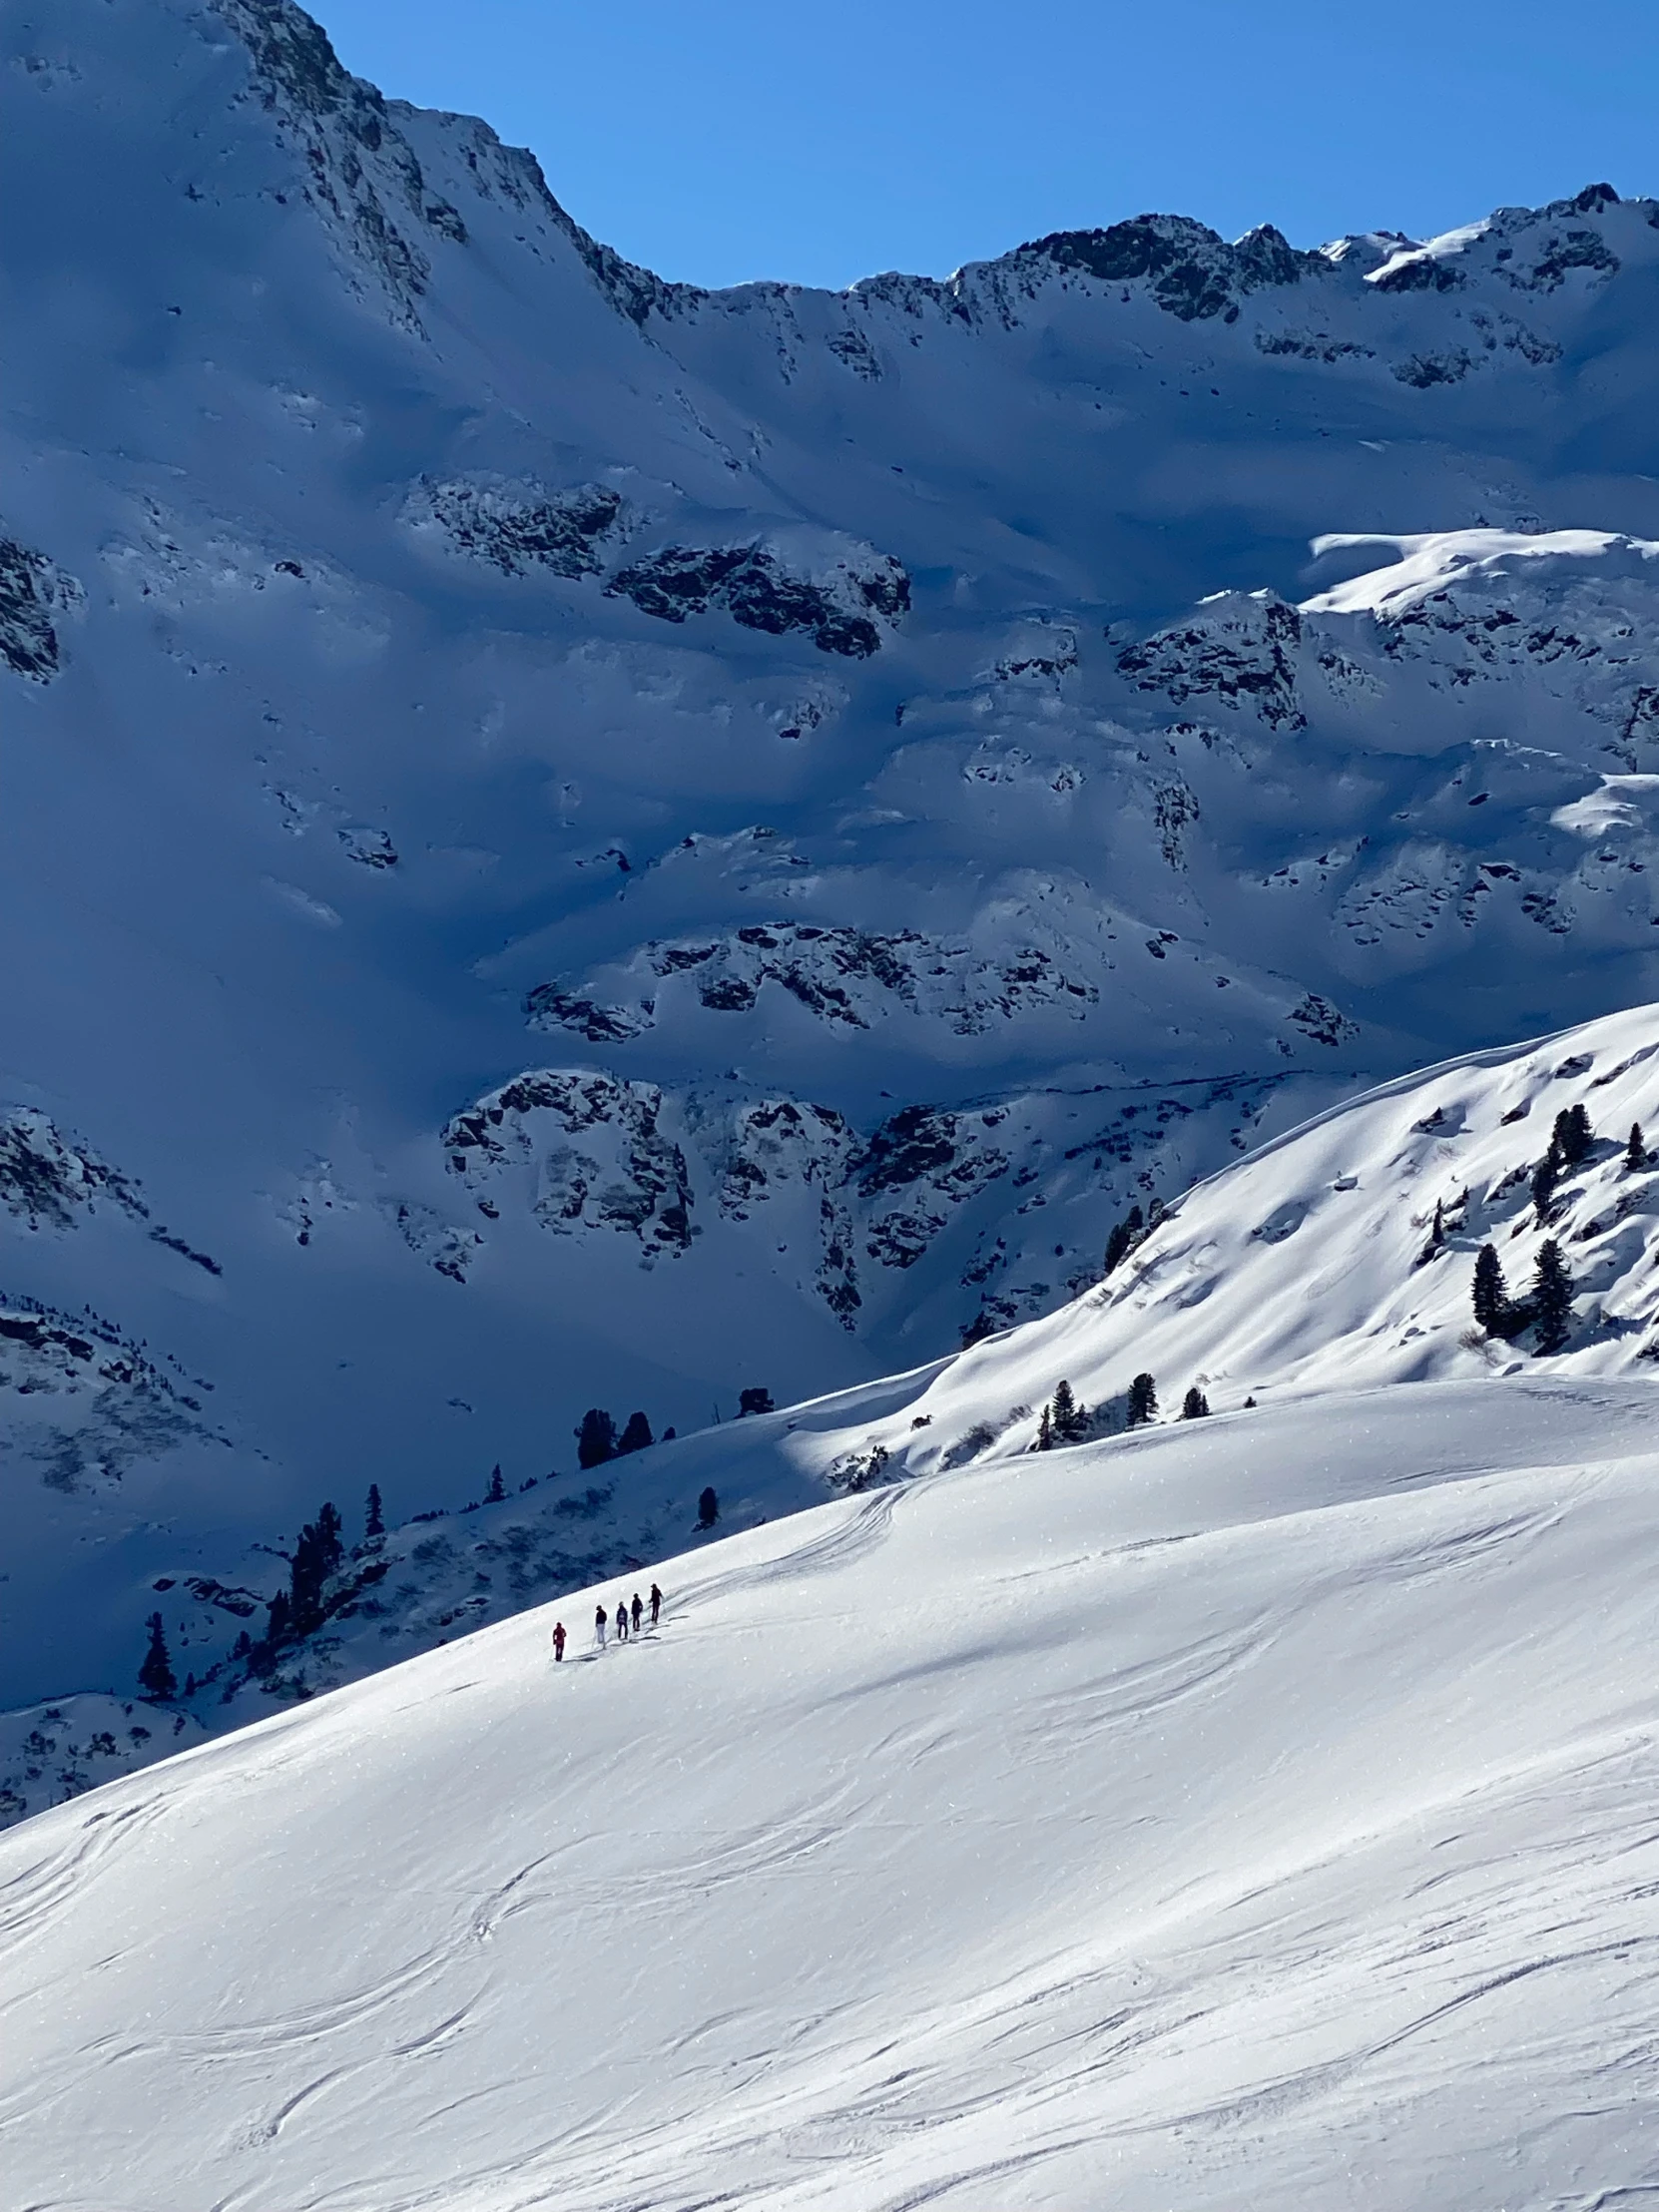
579 842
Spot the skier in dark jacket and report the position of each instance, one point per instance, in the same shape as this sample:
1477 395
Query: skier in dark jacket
558 1640
637 1609
622 1623
601 1621
656 1603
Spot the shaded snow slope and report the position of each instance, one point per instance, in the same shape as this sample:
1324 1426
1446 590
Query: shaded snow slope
1236 1813
571 839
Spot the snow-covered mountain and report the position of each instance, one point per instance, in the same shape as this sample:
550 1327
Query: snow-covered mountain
573 840
1258 1811
1341 1256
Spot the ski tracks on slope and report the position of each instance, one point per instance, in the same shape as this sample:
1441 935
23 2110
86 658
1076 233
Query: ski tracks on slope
859 1529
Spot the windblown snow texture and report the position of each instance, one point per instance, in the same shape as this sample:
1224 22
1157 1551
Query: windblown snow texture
571 839
1258 1811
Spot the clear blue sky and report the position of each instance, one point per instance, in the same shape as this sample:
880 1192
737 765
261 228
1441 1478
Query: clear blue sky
718 139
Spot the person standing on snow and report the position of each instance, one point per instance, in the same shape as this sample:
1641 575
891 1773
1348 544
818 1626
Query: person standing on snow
558 1640
638 1609
621 1624
601 1621
656 1603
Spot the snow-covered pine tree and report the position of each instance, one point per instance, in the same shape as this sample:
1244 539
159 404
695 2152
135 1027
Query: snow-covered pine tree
1143 1401
1195 1405
497 1490
374 1523
1045 1431
156 1673
1125 1236
1552 1289
1490 1292
595 1438
1635 1152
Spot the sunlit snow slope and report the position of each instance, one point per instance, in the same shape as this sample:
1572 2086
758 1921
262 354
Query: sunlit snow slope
1255 1812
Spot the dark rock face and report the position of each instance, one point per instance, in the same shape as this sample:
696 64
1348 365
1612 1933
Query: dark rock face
755 589
1317 1020
842 975
30 587
644 1188
350 145
1424 370
548 1008
1193 273
1245 658
933 1159
1423 273
516 528
916 1141
45 1178
1567 250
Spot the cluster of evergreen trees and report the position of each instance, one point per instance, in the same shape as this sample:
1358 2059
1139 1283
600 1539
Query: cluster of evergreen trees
1548 1308
1065 1421
1132 1230
1570 1142
318 1553
597 1439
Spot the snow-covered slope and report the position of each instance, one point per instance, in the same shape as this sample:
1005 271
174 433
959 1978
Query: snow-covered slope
1242 1812
570 839
1342 1255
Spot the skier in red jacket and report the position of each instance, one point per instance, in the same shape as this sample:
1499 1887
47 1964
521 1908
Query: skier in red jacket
558 1640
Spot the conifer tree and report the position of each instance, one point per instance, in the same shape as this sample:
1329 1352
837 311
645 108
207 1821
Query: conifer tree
156 1673
316 1556
374 1519
1071 1421
636 1435
1635 1152
595 1438
1490 1292
1552 1290
708 1508
1436 1237
1572 1135
754 1401
1545 1176
1045 1432
1195 1405
497 1490
1125 1236
1143 1401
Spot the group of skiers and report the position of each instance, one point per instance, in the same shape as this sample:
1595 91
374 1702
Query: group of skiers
628 1621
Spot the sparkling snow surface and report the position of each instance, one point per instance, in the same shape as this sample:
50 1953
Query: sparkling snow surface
1259 1811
